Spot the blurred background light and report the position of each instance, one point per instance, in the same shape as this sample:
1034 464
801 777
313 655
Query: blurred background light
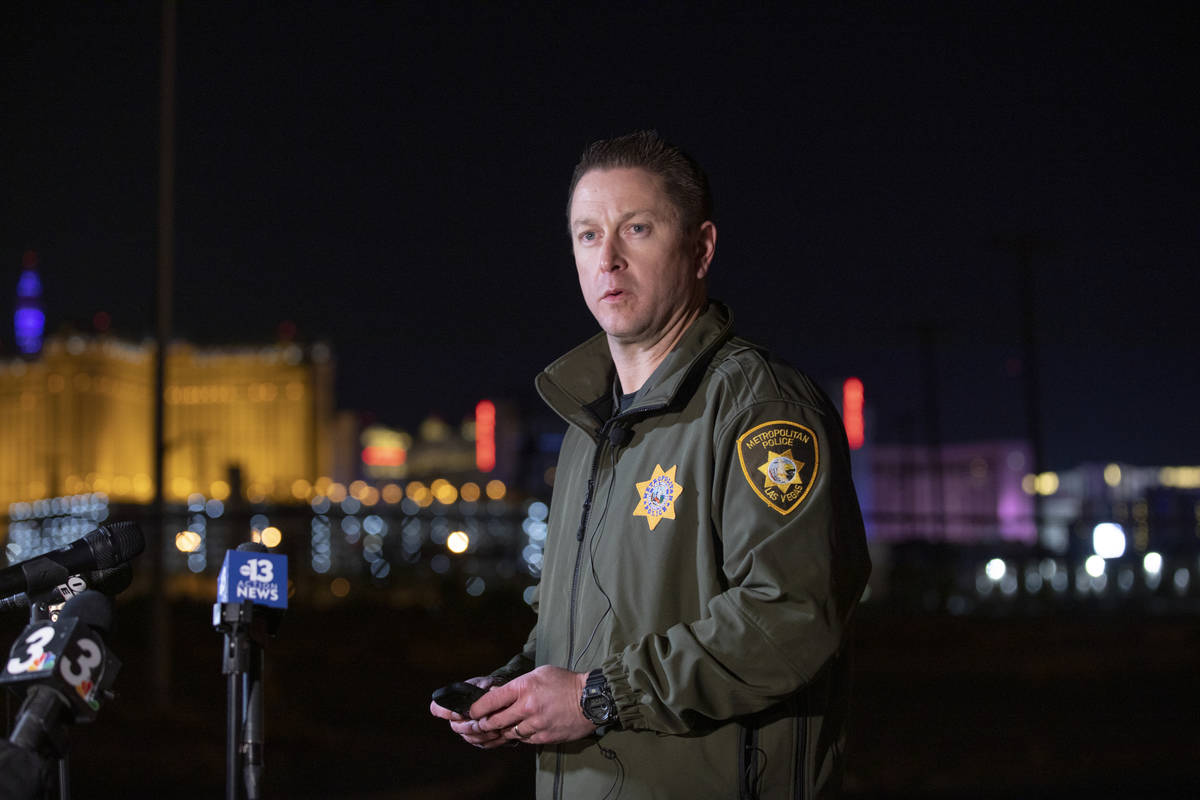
995 569
458 542
1180 477
1108 540
187 541
1112 475
271 536
1182 579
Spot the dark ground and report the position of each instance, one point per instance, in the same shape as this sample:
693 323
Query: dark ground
1083 706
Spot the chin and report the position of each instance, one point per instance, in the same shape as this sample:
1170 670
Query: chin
625 334
611 320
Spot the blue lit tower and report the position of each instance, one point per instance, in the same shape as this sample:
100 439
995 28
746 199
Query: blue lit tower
29 320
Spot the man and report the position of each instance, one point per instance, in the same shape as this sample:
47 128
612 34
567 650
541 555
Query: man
705 546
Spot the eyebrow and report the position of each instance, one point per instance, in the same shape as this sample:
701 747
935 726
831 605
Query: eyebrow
582 221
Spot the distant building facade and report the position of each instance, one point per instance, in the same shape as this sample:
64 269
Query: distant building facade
963 492
982 492
79 419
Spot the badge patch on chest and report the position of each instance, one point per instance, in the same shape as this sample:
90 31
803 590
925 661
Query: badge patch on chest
779 459
656 497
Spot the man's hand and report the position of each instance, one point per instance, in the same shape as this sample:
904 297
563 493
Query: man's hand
540 707
467 728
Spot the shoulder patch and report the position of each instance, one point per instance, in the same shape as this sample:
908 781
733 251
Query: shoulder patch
779 460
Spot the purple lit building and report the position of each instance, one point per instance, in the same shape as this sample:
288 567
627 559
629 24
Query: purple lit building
964 492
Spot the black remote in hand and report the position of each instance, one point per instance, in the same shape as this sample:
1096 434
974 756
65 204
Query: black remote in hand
458 696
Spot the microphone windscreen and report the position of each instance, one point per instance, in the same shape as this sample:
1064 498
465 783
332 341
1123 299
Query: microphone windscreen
252 547
111 581
91 608
127 541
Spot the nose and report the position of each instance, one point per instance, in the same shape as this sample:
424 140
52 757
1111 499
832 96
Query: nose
610 255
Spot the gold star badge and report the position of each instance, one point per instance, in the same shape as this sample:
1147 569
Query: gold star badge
780 469
656 497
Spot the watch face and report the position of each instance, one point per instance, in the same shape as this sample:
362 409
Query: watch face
598 709
597 702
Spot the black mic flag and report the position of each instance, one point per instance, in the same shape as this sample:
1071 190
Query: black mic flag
64 669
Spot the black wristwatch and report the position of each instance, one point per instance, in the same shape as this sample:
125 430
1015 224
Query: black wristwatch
597 700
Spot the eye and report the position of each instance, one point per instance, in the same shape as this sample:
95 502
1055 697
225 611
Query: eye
639 228
587 236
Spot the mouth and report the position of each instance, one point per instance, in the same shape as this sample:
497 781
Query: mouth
611 296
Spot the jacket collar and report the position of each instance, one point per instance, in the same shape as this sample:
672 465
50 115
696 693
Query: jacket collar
578 386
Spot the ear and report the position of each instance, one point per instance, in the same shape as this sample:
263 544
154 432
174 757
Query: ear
706 247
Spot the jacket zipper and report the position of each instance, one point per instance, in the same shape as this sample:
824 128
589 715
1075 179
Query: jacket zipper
583 521
601 439
800 720
748 762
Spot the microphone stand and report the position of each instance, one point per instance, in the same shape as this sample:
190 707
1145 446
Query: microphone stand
39 611
246 628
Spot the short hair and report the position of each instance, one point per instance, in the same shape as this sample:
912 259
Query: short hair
684 181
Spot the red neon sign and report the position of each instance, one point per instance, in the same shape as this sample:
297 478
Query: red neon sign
379 456
485 435
852 412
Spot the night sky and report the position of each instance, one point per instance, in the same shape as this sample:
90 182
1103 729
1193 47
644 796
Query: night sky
391 178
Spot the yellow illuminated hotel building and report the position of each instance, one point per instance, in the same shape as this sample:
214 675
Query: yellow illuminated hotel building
80 419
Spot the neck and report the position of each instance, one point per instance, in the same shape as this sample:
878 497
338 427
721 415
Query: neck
636 361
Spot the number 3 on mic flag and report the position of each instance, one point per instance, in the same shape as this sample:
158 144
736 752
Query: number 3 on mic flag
66 656
260 578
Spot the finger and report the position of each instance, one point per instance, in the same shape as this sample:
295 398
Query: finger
505 719
532 736
497 698
495 743
441 712
485 741
467 727
471 733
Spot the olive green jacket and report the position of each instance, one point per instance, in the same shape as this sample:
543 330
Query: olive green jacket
706 550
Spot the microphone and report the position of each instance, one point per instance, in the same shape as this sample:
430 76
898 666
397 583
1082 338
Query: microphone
110 582
103 548
252 692
251 598
67 669
619 435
